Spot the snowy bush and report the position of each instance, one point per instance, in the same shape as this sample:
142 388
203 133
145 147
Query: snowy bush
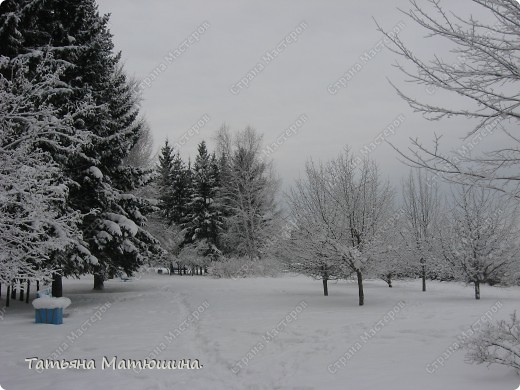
496 344
196 255
240 267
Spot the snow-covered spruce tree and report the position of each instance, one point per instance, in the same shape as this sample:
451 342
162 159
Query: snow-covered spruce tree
479 237
174 185
496 344
248 193
203 220
76 35
421 206
180 189
35 221
116 235
164 181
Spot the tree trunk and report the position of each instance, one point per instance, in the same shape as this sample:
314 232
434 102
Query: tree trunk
423 274
13 291
7 295
28 291
325 287
360 288
99 280
22 291
477 290
57 286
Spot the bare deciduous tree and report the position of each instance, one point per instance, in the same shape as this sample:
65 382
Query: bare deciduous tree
141 155
483 72
365 203
248 191
340 209
421 208
496 344
315 214
479 237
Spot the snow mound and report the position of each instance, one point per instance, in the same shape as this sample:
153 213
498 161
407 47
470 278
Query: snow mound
51 303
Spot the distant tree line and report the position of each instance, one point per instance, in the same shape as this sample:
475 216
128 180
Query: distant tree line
223 203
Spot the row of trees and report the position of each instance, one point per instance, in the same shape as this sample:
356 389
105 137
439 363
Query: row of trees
69 116
481 73
347 222
222 204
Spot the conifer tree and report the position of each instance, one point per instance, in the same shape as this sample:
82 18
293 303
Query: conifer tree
180 189
203 221
164 181
100 184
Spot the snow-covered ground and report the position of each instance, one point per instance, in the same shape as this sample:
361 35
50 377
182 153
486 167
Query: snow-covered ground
261 333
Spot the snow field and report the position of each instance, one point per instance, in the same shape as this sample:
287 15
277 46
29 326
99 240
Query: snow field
260 333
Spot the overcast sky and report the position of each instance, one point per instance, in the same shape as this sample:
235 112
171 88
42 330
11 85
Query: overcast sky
321 41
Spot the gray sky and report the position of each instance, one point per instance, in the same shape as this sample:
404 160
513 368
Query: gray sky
325 41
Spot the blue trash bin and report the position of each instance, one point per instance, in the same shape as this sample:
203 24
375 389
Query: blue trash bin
49 316
49 310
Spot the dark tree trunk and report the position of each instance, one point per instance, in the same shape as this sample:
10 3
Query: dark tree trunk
423 275
22 298
99 282
57 286
28 291
13 291
360 288
388 279
7 295
477 290
325 287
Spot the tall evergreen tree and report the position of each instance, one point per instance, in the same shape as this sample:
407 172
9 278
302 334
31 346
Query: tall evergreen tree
164 181
74 33
174 182
204 219
180 189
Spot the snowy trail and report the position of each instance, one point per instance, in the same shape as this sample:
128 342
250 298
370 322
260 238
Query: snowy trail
236 316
